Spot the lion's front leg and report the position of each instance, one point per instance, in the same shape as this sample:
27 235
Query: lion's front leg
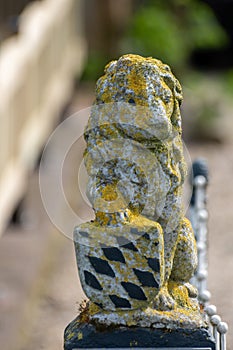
179 269
185 258
183 268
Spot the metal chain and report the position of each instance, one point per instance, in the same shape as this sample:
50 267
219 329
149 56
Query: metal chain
199 218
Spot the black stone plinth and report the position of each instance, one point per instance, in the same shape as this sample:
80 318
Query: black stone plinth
84 335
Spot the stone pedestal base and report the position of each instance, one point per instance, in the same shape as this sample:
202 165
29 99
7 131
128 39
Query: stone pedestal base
85 336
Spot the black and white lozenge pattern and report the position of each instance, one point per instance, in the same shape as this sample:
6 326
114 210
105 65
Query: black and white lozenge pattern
124 274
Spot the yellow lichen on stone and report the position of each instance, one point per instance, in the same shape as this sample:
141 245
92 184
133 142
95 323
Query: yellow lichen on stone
133 343
181 296
80 336
70 335
93 308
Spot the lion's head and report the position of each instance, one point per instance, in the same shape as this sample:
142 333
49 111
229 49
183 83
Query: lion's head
134 137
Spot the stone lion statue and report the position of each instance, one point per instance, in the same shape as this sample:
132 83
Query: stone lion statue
140 251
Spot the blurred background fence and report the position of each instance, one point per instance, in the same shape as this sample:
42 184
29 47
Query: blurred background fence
37 71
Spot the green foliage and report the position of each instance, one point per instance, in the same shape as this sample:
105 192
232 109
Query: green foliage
170 30
204 28
94 67
228 81
154 32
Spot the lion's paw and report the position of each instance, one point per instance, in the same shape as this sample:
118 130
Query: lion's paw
164 301
192 291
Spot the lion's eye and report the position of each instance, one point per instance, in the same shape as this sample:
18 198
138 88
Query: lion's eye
131 100
99 101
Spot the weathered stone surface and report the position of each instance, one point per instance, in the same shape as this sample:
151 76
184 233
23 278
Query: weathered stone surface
136 258
84 335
